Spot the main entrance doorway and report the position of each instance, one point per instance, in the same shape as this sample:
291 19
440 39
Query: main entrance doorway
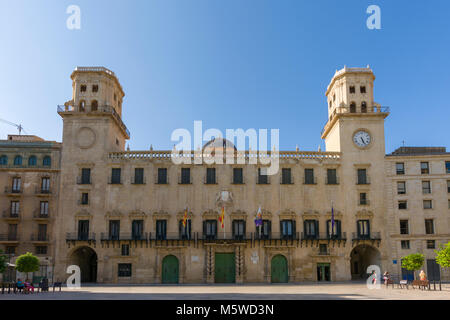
279 269
323 272
225 268
170 269
361 257
86 259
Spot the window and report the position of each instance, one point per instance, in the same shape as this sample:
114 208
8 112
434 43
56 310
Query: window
162 176
404 227
262 178
137 230
94 105
335 231
448 186
427 204
363 199
362 176
426 187
85 176
114 229
431 244
18 160
42 232
352 89
405 244
363 227
185 231
3 160
124 270
311 228
210 229
125 250
362 89
85 198
238 176
363 107
424 168
309 176
139 176
10 250
12 232
429 226
238 229
45 185
401 187
210 175
43 208
15 208
95 88
400 168
47 161
287 228
115 175
352 107
32 161
83 88
82 105
16 184
331 176
286 176
447 166
185 175
83 230
264 231
402 205
323 249
41 250
161 229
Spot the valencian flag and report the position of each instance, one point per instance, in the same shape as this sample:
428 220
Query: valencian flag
222 217
185 217
258 220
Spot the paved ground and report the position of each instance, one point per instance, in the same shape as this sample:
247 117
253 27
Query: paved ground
312 291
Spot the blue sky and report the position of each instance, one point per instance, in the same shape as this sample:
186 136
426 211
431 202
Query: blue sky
232 64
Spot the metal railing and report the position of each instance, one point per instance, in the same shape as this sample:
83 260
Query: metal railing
286 180
115 180
74 236
81 180
42 191
362 180
40 237
39 214
9 237
332 181
10 190
11 214
371 236
211 180
324 236
262 179
312 180
138 181
124 236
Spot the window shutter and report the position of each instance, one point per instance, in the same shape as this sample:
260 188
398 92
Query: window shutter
358 228
329 228
294 229
368 227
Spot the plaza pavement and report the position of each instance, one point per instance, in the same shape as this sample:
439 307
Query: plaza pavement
300 291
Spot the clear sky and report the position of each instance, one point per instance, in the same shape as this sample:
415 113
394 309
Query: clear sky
232 64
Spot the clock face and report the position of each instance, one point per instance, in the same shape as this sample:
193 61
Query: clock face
362 139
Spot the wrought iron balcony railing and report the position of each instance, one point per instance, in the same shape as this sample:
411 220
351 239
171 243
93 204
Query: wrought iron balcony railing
370 236
74 236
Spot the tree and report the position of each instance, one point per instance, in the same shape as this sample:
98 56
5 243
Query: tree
3 260
413 261
443 255
27 263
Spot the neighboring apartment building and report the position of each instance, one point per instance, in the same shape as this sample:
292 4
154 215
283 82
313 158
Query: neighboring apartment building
29 178
326 216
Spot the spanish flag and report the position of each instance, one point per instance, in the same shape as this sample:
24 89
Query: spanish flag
222 217
185 217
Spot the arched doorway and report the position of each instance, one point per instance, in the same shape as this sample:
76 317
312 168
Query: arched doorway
361 257
86 259
170 269
279 269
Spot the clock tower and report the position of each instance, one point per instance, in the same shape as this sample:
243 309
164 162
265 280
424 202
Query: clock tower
355 128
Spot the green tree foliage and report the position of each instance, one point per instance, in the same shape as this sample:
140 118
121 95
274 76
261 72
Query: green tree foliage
27 263
413 261
3 260
443 256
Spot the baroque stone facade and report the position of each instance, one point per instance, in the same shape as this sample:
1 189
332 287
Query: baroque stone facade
326 216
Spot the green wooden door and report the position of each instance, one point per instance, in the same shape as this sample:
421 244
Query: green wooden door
170 269
279 269
323 272
225 268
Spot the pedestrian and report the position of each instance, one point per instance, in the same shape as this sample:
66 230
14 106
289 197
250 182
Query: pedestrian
422 275
386 277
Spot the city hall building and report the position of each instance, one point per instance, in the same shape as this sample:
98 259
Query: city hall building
118 214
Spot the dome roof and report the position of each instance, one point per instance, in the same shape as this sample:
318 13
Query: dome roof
219 143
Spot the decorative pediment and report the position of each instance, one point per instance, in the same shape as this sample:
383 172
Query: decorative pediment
210 214
161 215
137 214
114 213
336 213
241 215
83 213
364 214
287 214
180 215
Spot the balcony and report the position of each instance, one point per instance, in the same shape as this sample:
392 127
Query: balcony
370 236
39 238
39 214
9 214
81 180
108 110
42 191
324 236
172 236
362 180
9 238
124 237
75 236
13 191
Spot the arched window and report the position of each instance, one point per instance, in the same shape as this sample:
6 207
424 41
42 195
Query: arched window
82 105
352 107
47 161
32 161
3 160
94 105
18 161
364 107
